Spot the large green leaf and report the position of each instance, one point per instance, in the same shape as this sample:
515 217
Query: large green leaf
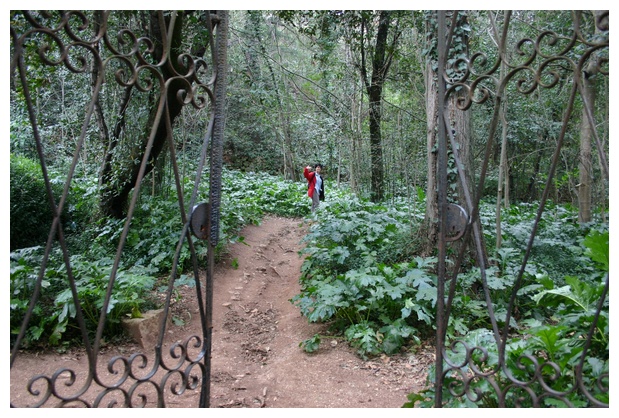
597 245
576 293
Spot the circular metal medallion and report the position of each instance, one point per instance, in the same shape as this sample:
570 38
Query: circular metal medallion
199 220
457 219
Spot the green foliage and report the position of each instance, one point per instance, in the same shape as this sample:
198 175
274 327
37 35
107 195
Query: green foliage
557 248
54 316
20 130
311 344
381 300
153 236
554 321
361 274
131 288
540 345
352 233
31 216
355 277
149 251
574 306
597 248
235 263
249 196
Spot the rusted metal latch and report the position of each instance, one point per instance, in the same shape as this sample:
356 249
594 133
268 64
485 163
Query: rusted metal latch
200 221
457 219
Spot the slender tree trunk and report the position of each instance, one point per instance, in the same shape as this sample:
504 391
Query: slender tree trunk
353 152
603 185
290 171
356 105
532 189
430 226
502 192
502 188
376 146
585 166
104 135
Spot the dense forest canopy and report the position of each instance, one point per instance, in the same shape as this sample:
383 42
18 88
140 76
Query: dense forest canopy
343 88
352 90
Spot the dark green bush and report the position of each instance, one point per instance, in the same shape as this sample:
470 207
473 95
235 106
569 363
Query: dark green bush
31 216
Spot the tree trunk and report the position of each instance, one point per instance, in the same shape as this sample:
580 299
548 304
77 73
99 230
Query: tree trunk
502 198
289 169
104 135
115 195
430 225
376 148
375 93
502 190
461 125
355 143
356 104
585 166
532 189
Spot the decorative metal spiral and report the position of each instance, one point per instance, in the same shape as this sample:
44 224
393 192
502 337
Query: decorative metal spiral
128 381
478 76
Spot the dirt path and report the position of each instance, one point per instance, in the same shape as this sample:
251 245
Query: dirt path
256 358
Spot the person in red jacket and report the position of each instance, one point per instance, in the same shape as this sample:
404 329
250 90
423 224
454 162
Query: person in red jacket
315 185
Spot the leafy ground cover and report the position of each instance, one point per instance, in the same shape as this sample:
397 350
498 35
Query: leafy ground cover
361 277
148 254
256 358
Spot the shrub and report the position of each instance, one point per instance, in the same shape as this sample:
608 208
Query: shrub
31 217
148 253
360 277
555 335
54 315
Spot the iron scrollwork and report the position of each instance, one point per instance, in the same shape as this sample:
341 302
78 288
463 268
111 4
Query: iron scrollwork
483 364
85 43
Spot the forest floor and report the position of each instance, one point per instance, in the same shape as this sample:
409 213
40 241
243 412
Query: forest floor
256 357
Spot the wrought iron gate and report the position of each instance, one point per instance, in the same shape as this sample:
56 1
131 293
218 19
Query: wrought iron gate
84 43
465 370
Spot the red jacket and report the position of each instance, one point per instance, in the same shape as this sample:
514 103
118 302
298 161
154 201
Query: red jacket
311 179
